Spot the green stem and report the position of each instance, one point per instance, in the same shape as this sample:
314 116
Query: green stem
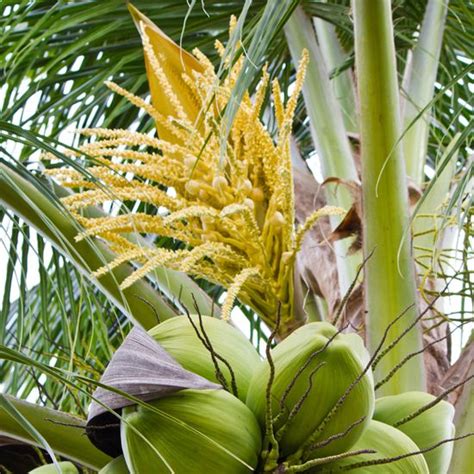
420 80
139 302
342 83
64 440
389 273
327 129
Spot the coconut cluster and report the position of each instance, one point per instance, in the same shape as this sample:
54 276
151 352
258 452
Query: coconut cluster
309 406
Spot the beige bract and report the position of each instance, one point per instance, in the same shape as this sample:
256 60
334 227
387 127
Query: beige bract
230 202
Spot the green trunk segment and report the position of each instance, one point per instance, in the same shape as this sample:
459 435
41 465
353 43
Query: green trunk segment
64 440
423 68
342 84
327 128
140 301
389 273
463 457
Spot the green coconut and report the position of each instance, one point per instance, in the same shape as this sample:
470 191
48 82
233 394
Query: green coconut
65 466
178 337
388 442
116 466
330 372
192 431
426 430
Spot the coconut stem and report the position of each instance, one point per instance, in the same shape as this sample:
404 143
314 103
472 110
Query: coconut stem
379 353
348 293
203 337
408 357
298 374
317 462
297 407
431 404
380 461
211 349
337 436
270 456
390 284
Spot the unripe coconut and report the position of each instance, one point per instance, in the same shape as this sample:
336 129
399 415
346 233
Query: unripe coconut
427 429
178 337
192 431
116 466
65 466
388 442
328 373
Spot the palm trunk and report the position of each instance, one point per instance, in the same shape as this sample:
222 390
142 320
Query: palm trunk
389 273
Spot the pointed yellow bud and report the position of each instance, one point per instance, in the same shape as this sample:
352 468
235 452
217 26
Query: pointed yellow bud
247 186
165 64
249 203
257 194
220 183
190 161
193 187
277 220
286 257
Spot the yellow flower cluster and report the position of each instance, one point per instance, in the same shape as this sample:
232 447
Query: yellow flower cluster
231 206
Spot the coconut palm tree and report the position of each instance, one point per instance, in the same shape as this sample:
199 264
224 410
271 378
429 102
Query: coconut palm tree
95 245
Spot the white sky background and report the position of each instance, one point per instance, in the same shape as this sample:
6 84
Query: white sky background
451 304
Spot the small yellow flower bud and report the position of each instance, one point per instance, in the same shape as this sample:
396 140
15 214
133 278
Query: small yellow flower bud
207 237
247 186
220 183
207 220
278 219
192 187
257 194
286 257
249 203
190 161
203 195
207 223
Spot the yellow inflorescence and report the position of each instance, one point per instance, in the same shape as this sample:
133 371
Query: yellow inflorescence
236 222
